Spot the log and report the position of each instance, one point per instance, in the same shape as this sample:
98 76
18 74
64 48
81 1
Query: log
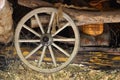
87 17
81 17
93 17
6 23
34 3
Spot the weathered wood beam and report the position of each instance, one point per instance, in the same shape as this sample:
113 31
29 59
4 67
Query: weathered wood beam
34 3
92 17
79 16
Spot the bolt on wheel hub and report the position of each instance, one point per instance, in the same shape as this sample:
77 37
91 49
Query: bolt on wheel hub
46 39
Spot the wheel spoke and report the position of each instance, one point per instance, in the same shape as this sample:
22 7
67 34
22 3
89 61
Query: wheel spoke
52 55
42 56
28 41
39 23
51 21
66 53
59 30
31 30
33 51
65 40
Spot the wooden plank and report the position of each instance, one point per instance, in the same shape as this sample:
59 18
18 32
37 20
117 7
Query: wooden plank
92 17
34 3
79 16
92 59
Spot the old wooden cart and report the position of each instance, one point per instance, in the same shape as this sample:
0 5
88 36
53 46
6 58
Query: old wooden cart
47 41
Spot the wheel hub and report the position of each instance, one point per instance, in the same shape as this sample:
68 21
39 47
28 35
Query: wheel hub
46 39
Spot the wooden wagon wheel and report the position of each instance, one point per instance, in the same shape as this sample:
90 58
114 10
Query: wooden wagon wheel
46 52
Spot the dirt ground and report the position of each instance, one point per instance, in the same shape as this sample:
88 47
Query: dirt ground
18 71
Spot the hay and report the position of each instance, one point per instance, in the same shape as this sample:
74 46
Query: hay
6 23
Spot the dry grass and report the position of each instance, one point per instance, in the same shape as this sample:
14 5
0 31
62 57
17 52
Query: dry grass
72 72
